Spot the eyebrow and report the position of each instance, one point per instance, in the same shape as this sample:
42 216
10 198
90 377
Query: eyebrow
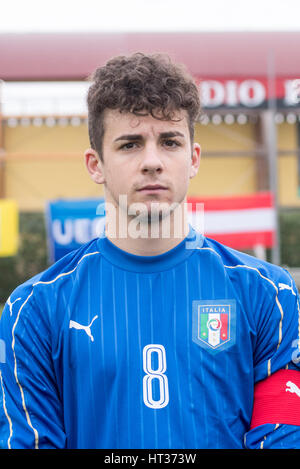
131 137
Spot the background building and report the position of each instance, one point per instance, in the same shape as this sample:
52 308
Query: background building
249 131
43 122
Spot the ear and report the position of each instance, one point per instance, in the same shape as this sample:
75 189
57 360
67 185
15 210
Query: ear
94 166
196 155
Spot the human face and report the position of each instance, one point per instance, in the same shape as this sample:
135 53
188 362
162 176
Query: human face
149 161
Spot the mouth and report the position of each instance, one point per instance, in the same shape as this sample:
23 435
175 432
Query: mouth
152 188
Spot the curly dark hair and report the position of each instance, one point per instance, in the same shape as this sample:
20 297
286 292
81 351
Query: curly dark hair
141 84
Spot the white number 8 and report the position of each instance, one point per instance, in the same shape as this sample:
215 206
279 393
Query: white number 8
157 374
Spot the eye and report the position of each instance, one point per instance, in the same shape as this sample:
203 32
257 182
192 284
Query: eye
171 143
128 146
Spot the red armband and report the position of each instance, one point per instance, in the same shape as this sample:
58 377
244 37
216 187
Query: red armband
277 399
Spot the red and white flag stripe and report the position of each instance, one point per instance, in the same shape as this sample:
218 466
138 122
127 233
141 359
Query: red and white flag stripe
240 222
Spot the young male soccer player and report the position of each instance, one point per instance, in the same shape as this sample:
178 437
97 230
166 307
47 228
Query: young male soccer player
150 341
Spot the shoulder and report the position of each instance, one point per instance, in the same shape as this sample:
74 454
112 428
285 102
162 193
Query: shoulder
240 264
62 270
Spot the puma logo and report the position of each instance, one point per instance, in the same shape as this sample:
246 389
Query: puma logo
10 304
86 329
284 286
293 388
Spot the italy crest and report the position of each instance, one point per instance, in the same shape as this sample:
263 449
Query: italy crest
214 324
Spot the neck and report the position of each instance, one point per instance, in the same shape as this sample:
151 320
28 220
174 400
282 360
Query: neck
143 238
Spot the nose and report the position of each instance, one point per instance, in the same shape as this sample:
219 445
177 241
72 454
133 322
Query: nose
151 162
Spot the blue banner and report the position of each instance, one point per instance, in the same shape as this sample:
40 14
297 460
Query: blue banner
71 223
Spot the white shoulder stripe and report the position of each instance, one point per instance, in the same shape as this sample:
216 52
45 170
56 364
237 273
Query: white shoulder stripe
36 435
5 411
255 269
64 274
242 266
17 378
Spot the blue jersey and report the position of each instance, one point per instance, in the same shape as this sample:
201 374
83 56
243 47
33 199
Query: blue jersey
106 349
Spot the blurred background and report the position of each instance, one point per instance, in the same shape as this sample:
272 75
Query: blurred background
244 57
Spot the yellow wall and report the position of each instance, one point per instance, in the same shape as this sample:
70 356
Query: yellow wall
47 163
288 166
219 176
234 137
288 181
34 181
57 139
286 136
44 163
225 175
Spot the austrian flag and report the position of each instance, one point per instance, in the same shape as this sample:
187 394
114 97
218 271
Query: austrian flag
214 324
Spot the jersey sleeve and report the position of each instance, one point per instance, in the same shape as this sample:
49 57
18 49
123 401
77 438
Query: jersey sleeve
278 322
30 407
277 354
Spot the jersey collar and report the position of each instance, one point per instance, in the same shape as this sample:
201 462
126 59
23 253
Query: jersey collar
148 264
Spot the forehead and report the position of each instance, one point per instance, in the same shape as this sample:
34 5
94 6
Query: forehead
117 123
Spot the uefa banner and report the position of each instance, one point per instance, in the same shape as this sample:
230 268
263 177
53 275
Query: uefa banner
243 222
9 227
71 223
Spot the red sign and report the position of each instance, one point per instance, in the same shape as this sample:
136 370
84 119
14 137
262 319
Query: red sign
249 93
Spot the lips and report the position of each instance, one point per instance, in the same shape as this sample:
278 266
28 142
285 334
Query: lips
152 187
